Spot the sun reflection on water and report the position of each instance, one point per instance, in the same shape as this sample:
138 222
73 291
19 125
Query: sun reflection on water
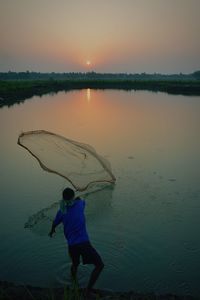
88 95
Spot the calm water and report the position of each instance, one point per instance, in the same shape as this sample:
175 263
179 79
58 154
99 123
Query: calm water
147 227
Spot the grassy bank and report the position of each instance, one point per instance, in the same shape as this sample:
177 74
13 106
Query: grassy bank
15 91
23 292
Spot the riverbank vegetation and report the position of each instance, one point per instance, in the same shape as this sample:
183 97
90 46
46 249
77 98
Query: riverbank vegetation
9 291
17 90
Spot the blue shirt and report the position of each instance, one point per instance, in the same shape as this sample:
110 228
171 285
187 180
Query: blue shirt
74 223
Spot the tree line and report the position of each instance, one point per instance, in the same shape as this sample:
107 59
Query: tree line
30 75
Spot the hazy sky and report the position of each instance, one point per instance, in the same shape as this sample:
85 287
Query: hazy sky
100 35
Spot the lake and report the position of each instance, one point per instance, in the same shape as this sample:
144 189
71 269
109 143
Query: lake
145 227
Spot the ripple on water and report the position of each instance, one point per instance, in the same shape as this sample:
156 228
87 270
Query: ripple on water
63 275
176 267
185 288
190 246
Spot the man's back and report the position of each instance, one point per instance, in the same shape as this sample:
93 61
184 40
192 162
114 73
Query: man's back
73 220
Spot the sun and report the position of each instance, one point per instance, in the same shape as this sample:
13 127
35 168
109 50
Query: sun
88 63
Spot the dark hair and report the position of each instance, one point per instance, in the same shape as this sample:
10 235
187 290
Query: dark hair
68 194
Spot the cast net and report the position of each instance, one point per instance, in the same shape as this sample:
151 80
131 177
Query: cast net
77 162
99 203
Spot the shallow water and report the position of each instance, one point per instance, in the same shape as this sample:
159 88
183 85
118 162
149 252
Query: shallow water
146 227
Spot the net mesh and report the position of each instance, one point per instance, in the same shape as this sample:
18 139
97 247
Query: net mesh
99 201
77 162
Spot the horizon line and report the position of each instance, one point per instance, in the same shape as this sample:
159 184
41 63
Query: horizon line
101 73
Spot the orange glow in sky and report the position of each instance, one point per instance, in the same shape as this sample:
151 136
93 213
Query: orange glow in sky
102 36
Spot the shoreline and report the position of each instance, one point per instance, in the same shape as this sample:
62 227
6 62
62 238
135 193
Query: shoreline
14 291
16 91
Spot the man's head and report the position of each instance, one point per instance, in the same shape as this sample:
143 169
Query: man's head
68 194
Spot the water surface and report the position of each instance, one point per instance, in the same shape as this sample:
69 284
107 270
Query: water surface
146 228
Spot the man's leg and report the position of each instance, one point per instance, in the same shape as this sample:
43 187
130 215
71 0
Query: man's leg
91 256
74 269
75 257
95 275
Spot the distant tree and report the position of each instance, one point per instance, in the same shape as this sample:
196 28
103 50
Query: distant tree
196 74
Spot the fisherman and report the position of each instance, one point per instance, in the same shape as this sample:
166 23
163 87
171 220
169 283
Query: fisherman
71 214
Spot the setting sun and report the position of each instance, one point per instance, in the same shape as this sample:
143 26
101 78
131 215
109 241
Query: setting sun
88 63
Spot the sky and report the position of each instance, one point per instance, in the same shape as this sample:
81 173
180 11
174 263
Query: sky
130 36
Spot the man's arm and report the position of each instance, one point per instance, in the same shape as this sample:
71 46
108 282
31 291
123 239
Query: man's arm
53 227
56 222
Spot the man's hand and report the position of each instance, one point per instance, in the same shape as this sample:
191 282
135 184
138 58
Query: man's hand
52 231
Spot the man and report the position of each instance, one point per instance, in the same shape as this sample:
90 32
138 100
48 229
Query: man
71 214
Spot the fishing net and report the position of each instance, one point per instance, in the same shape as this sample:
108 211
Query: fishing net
99 201
77 162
